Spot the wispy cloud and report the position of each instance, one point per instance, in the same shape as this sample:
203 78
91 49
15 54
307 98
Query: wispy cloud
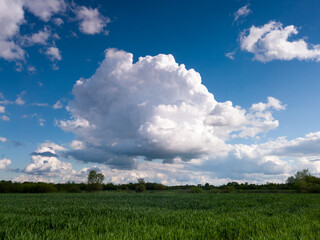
242 12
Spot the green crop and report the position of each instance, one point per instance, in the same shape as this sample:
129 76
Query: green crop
161 215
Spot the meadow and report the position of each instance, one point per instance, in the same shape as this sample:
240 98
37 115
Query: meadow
159 215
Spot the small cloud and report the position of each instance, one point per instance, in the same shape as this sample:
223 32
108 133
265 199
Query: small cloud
29 116
2 109
242 12
230 55
91 21
53 53
58 105
40 38
58 21
31 69
55 67
2 139
5 118
41 104
19 67
19 99
4 163
41 121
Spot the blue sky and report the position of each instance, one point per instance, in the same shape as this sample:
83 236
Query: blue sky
152 118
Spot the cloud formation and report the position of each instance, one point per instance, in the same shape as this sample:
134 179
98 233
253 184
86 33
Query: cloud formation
155 109
44 161
53 53
44 9
4 163
12 17
270 42
91 21
274 161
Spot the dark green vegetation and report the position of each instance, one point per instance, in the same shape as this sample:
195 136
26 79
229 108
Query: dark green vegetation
159 215
302 182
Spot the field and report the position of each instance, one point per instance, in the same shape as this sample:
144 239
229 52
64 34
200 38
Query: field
160 215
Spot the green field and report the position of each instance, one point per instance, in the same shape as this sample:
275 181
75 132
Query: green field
160 215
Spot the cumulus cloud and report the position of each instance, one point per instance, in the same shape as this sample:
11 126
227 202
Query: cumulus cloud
155 109
44 161
32 178
242 12
270 161
44 9
2 109
270 42
91 21
11 17
53 53
272 103
2 139
40 37
4 163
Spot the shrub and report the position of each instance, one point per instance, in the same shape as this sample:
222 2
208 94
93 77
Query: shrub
196 190
140 188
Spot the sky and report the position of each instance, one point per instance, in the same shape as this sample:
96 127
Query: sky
175 92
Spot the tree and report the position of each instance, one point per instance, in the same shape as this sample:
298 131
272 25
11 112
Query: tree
301 175
141 187
303 181
95 178
94 181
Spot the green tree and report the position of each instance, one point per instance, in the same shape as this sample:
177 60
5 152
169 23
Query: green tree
141 187
303 181
94 181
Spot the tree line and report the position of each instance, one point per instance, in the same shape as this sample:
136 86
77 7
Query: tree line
302 182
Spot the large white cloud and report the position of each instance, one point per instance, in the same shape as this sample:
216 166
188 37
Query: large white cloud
157 109
270 42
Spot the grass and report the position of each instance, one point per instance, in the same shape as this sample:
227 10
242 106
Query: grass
160 215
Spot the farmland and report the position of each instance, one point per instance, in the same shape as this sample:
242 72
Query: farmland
159 215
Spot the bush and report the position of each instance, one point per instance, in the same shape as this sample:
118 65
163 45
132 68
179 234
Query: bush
93 187
214 190
196 190
140 188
